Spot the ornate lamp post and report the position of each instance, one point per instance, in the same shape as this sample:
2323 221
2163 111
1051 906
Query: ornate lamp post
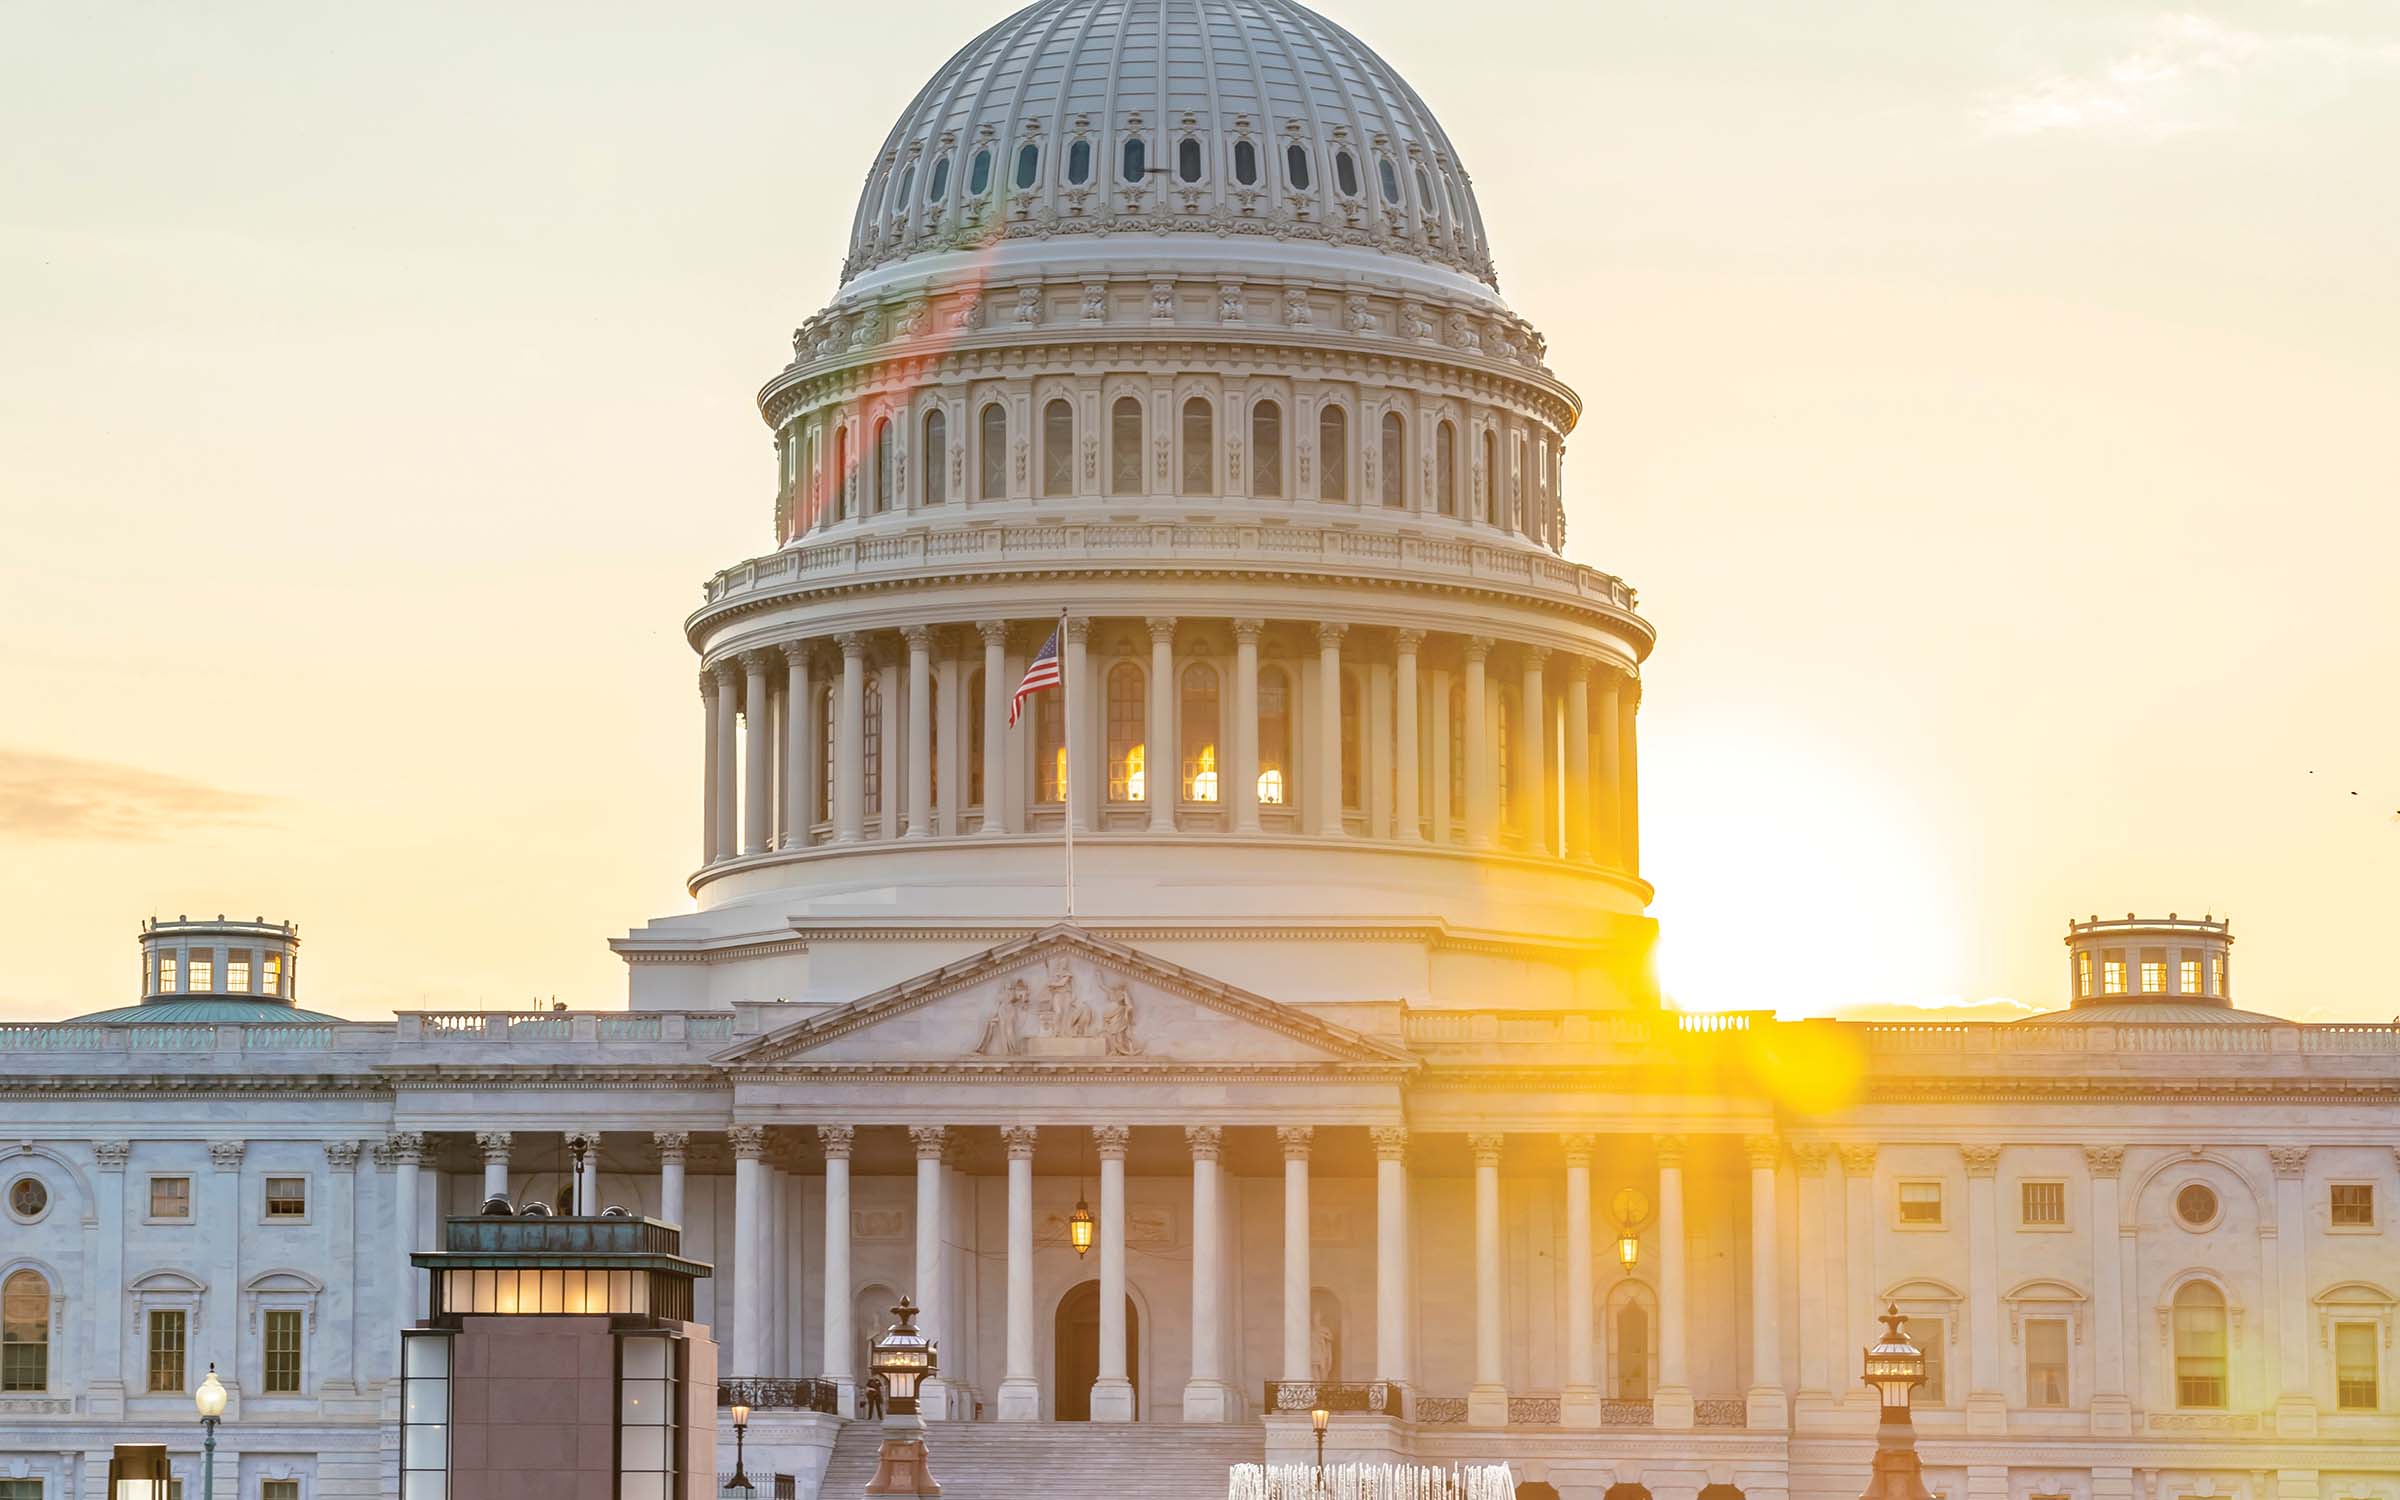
1895 1367
906 1359
741 1431
210 1399
1319 1418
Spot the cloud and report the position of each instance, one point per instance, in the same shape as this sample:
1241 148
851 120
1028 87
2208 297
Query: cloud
1943 1008
46 796
2183 72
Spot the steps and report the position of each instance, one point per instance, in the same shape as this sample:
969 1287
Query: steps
1057 1460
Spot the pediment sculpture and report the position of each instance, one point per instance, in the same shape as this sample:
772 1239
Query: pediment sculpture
1059 1022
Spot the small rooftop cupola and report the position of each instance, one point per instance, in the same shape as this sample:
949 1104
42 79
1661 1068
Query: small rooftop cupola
2170 968
217 969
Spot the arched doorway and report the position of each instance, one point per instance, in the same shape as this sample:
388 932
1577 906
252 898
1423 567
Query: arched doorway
1076 1353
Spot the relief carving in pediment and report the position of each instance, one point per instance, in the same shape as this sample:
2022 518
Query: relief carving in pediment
1060 1021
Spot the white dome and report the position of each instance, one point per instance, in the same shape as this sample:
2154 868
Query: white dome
1173 117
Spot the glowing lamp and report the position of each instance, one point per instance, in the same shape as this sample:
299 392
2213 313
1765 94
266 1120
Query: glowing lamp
1895 1366
1630 1209
210 1398
1629 1249
1080 1225
1319 1419
904 1358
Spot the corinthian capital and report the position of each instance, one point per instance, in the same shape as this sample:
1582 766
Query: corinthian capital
1109 1142
2104 1161
1296 1140
749 1142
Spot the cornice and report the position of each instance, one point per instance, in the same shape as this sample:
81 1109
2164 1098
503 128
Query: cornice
162 1086
2159 1089
631 1078
1018 1071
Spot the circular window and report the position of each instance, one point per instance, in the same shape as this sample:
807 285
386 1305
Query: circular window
2196 1205
28 1198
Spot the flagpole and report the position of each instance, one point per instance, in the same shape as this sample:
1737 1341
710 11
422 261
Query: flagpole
1066 714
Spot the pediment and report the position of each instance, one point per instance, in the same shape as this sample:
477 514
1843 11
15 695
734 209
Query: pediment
1063 999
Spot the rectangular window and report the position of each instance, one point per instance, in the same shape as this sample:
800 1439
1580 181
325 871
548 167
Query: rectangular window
287 1197
2154 977
20 1489
2353 1205
2187 976
2216 976
166 1349
2044 1202
424 1416
166 974
270 975
237 971
203 971
170 1197
2046 1362
2112 976
1920 1203
2083 973
647 1403
1927 1335
283 1351
2355 1385
279 1489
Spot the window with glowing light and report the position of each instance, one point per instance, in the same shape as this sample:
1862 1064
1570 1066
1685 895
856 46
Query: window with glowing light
2112 976
1049 749
1200 733
270 975
2046 1362
1128 707
237 971
2216 976
2154 977
1274 737
2187 976
2083 974
204 971
2199 1320
166 974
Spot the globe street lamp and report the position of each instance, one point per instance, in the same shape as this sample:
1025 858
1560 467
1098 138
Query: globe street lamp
1895 1367
741 1430
1319 1418
906 1359
210 1399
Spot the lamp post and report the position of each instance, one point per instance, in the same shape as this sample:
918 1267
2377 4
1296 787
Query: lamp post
906 1359
1319 1418
1895 1367
210 1399
741 1431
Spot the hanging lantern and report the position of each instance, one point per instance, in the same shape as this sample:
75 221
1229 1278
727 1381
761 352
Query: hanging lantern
1080 1225
1630 1209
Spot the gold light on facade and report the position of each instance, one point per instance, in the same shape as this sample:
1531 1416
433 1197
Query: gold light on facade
1080 1225
1631 1210
904 1358
1895 1366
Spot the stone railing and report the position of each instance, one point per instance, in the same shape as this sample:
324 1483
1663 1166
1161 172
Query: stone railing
1721 1411
1626 1414
608 1030
770 1393
1479 1028
1380 1398
183 1037
1439 1411
1887 1042
1533 1411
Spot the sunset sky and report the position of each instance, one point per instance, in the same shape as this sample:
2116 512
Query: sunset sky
1998 407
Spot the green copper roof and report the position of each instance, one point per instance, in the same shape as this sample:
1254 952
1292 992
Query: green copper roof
2144 1013
210 1011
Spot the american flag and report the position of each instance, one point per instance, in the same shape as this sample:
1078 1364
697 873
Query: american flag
1040 673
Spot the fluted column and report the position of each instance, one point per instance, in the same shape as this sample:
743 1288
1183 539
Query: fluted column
1671 1404
1162 768
1085 773
920 730
1770 1405
799 746
1245 724
2295 1404
840 1355
1533 718
1296 1273
1112 1392
2112 1406
1409 828
494 1145
709 848
727 748
1578 778
1020 1387
757 790
1629 811
674 1147
1391 1252
933 1312
1206 1396
1487 1398
950 727
1329 736
1987 1403
1438 751
1858 1239
749 1143
996 691
1482 788
1579 1402
1608 772
407 1148
1812 1237
850 743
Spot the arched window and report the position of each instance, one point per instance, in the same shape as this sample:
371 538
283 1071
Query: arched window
2199 1345
871 723
1345 173
1245 163
1187 160
1200 733
934 461
25 1332
828 711
1058 447
1333 452
1491 473
1445 468
841 470
1274 737
1354 781
1136 160
1295 166
1199 447
1388 179
1049 749
1266 448
1079 163
979 173
1125 446
1128 710
1426 200
937 186
1395 461
1029 165
975 738
991 457
908 180
883 466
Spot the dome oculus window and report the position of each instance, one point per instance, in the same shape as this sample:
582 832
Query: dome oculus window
1432 205
1295 166
979 174
1079 163
1387 179
1029 165
1245 163
1345 173
1187 160
1136 161
2197 1206
28 1199
937 186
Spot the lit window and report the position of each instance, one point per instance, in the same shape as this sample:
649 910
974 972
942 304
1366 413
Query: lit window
1389 179
166 1349
204 972
2187 976
1049 750
2355 1382
1333 452
1274 737
270 975
425 1416
2199 1346
1266 449
1200 726
1295 166
287 1197
1029 165
1079 163
1920 1203
2046 1362
1245 163
1445 469
237 971
25 1332
1199 447
1135 161
1395 461
166 974
282 1356
2353 1205
2083 973
1187 160
1345 173
170 1197
2154 977
2216 976
937 186
649 1397
979 173
1058 448
992 459
1126 708
935 465
2112 977
2044 1202
1125 446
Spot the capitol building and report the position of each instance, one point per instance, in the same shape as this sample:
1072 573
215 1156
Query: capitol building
1264 1016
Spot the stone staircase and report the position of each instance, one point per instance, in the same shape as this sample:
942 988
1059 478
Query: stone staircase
1057 1460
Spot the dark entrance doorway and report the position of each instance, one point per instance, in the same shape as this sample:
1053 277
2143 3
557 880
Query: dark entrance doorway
1077 1357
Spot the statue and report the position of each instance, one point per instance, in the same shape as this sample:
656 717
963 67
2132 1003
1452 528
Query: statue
1322 1350
1004 1033
1116 1025
1062 1013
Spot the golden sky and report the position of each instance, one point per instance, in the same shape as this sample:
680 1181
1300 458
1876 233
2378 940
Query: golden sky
1996 406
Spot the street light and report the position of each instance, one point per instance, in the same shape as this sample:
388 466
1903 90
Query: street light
1895 1367
210 1399
741 1430
1630 1209
1319 1419
906 1359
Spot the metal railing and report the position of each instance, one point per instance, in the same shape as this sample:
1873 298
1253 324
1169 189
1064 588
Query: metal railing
1378 1397
774 1393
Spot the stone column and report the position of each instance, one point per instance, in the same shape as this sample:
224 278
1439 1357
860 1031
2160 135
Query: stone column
674 1146
1578 778
1162 768
996 691
1533 719
1329 737
1487 1398
2295 1404
757 791
749 1143
1629 811
950 727
1817 1342
1206 1396
799 747
933 1315
728 774
840 1357
1987 1403
1770 1406
1112 1392
1671 1404
1858 1243
1391 1252
1244 767
850 743
1406 813
113 1211
920 731
1438 752
1579 1402
1085 773
892 794
407 1148
341 1232
1297 1276
2112 1406
1020 1387
1608 771
494 1145
710 850
1482 823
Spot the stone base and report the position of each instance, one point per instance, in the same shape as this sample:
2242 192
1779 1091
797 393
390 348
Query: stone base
900 1465
1671 1408
1112 1399
1020 1400
1066 1046
1817 1411
2112 1416
1579 1407
2295 1417
1487 1406
1987 1412
1211 1401
1770 1408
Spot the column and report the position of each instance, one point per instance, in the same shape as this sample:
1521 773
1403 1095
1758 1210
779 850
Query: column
1391 1253
1579 1402
341 1232
951 729
674 1146
709 848
1408 823
749 1143
1987 1403
920 730
407 1148
1085 771
933 1316
1487 1398
2112 1406
757 792
1297 1277
1608 772
1244 770
218 1217
1438 739
112 1210
850 743
494 1146
1770 1406
996 690
1481 820
1816 1255
1858 1243
726 747
799 747
1020 1387
1629 806
1329 730
2295 1406
1533 719
1206 1396
1161 767
1579 759
889 757
1112 1393
1671 1405
1375 753
841 1339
